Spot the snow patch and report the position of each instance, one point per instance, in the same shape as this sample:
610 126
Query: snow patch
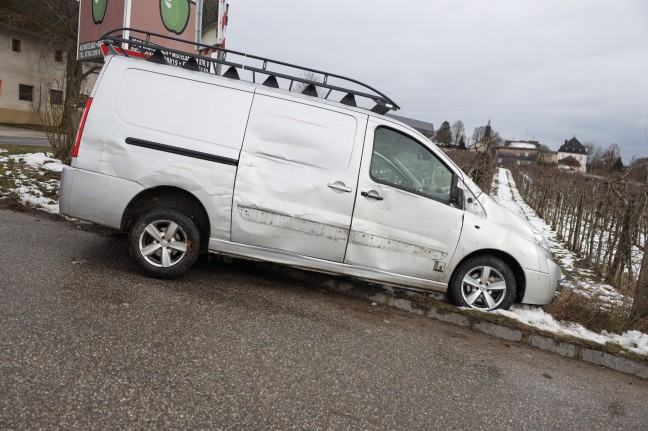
508 196
39 161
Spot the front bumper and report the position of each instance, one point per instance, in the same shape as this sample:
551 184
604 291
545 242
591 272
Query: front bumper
540 286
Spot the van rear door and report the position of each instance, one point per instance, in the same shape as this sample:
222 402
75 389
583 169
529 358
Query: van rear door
297 176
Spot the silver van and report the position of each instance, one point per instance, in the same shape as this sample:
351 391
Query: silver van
188 159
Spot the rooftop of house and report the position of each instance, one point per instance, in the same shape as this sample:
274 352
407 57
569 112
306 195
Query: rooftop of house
425 128
569 161
526 145
572 146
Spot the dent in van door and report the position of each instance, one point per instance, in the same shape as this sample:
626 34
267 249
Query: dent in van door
404 221
297 176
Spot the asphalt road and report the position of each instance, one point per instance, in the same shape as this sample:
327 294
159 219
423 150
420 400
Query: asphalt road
88 342
32 142
22 136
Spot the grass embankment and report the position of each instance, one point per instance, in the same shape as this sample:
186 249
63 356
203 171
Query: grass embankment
17 176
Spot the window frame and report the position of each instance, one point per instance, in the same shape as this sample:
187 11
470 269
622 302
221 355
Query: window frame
60 95
16 44
58 55
31 93
453 181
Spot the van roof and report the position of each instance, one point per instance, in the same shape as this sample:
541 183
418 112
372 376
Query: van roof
251 68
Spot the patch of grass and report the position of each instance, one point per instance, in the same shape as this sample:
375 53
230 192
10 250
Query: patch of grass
22 149
8 175
16 173
593 313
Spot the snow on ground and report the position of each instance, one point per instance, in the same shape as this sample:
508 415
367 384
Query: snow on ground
534 316
30 190
39 161
31 195
508 196
506 193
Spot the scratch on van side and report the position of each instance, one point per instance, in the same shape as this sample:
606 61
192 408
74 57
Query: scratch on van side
293 223
393 245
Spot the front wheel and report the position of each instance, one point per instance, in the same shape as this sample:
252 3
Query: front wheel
483 282
164 242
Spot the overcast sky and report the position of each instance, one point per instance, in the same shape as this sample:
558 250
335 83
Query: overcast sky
540 69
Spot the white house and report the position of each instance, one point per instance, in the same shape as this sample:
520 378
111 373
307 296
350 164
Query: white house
27 69
570 150
32 75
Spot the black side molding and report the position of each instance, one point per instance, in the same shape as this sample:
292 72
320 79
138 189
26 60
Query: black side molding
181 151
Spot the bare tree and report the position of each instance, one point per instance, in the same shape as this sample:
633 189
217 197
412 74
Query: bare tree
640 303
610 157
545 148
48 104
591 151
639 169
458 130
479 136
56 21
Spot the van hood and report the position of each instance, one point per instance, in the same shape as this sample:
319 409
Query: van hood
506 218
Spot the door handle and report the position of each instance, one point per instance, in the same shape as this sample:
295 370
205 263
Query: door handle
372 195
340 187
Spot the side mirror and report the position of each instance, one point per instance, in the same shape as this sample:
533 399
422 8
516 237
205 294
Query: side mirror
456 198
457 195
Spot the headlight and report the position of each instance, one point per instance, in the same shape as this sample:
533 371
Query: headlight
541 240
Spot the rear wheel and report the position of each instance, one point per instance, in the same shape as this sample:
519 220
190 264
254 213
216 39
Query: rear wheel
483 282
165 242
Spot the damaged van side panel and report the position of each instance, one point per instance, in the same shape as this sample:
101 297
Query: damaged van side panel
297 176
402 232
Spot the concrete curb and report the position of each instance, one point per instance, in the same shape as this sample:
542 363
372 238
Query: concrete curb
419 303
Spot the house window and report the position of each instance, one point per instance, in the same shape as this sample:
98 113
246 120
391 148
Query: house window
25 92
58 55
16 45
517 153
526 154
56 97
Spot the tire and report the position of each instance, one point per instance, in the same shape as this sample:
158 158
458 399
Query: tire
158 255
468 289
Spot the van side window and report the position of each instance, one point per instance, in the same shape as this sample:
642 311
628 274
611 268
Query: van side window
402 162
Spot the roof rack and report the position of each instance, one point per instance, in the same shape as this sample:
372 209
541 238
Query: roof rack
272 70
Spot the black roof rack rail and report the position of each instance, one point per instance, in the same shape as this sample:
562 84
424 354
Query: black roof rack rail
351 88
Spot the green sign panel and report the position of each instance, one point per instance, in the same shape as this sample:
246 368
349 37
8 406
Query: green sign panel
175 15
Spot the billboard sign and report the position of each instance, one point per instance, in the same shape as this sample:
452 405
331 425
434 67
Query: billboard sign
96 18
176 18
